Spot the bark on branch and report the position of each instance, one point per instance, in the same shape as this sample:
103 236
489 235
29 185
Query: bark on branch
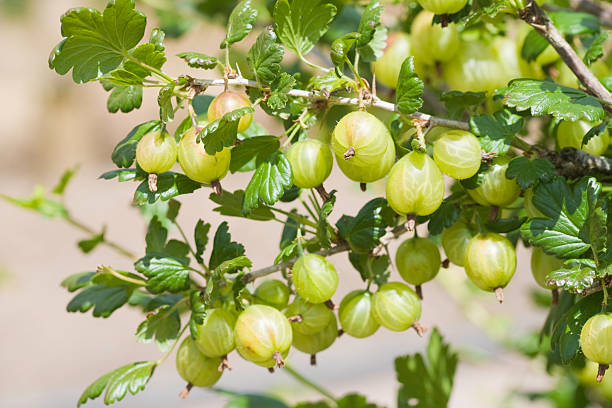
574 163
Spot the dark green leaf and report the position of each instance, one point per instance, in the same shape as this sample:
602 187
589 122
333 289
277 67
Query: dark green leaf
162 326
60 187
595 131
145 56
201 103
222 132
96 43
340 49
496 131
106 294
269 182
566 208
200 236
426 383
544 97
529 172
505 225
278 97
300 24
198 60
125 98
323 226
164 100
224 248
370 20
256 149
123 175
230 204
289 230
575 23
409 89
595 47
169 185
363 231
444 216
240 23
233 265
165 273
125 152
597 224
457 102
265 56
253 401
77 281
156 236
374 49
533 46
371 268
88 245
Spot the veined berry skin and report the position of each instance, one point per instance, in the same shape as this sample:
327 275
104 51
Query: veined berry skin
455 240
156 152
194 367
316 342
495 188
596 338
457 154
490 261
226 102
543 264
315 278
388 66
396 306
199 165
570 134
314 316
311 161
216 333
418 260
356 316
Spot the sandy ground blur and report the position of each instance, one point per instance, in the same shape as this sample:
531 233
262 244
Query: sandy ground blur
47 356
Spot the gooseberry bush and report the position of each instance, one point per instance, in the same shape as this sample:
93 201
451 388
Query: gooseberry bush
487 120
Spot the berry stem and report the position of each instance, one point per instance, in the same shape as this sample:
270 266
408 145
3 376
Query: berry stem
152 181
363 186
555 296
418 327
291 371
185 393
323 193
313 359
493 213
601 371
419 291
499 294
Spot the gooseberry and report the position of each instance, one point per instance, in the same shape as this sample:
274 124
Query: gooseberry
457 154
311 162
596 341
216 333
418 260
433 43
543 264
455 240
396 306
194 367
199 165
388 66
355 314
316 342
443 6
315 278
229 101
309 318
495 188
156 152
272 293
570 134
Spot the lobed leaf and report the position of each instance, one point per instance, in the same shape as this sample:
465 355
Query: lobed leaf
200 236
165 273
240 23
409 88
124 98
496 131
162 326
269 182
364 231
265 57
256 150
457 102
230 204
224 249
222 132
169 185
198 60
530 172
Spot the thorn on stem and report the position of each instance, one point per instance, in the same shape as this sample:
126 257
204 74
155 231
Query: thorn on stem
419 328
313 359
601 371
216 185
419 291
349 153
152 180
183 394
278 358
499 294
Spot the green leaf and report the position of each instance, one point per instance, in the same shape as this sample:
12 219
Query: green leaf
340 49
374 49
123 175
96 43
256 149
124 153
77 281
409 89
533 46
164 100
594 47
233 265
370 21
457 102
230 204
169 185
426 383
223 131
544 97
323 226
355 401
163 326
240 23
575 278
39 203
200 236
144 56
289 230
106 294
252 401
61 185
371 268
575 23
529 172
201 103
198 60
300 24
496 131
265 57
597 224
95 389
224 248
132 377
505 225
278 97
157 39
563 232
156 236
328 82
595 131
88 245
363 231
269 182
444 216
125 98
165 273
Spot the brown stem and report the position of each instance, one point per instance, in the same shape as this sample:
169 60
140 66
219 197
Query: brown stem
363 186
410 222
340 332
349 153
555 296
330 305
271 370
601 371
278 358
444 20
419 291
419 328
494 213
296 318
225 364
216 185
533 15
446 263
499 294
323 193
183 394
313 359
152 180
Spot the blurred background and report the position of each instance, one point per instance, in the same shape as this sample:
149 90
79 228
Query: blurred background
48 357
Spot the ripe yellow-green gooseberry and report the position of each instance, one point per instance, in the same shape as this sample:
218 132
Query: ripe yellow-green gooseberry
315 278
273 293
543 264
418 261
195 368
570 134
156 153
316 342
455 240
229 101
388 66
490 262
263 335
308 318
363 147
216 333
311 162
356 315
199 165
596 341
496 189
415 185
433 43
457 154
443 6
530 208
396 306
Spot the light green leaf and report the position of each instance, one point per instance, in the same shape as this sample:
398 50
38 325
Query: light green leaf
164 100
224 249
169 185
88 245
370 21
544 97
340 49
132 377
265 56
323 227
255 149
198 60
327 82
409 88
124 98
95 389
576 277
300 24
594 47
157 39
529 172
373 50
124 153
533 46
165 273
240 23
106 294
574 22
61 185
77 281
278 97
223 131
233 265
162 326
96 43
269 182
39 203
